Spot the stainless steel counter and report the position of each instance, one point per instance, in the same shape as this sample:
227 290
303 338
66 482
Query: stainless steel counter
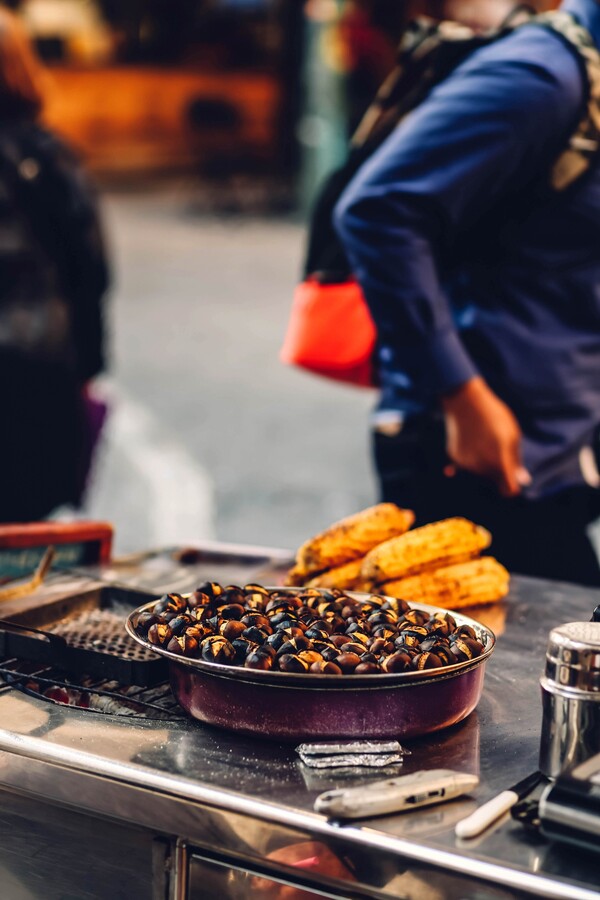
239 801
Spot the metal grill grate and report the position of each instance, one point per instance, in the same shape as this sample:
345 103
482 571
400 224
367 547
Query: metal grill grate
84 692
102 630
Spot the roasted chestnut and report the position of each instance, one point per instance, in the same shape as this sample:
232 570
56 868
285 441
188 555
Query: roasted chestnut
256 619
417 631
316 634
233 594
348 662
258 661
170 603
292 626
338 640
322 667
255 601
397 662
160 634
442 624
465 631
387 632
426 661
258 635
354 647
145 620
283 620
184 645
232 629
359 637
199 630
407 641
256 589
289 662
294 645
243 648
310 656
217 649
180 623
380 645
382 617
198 599
278 638
211 588
465 648
232 611
397 604
367 668
415 616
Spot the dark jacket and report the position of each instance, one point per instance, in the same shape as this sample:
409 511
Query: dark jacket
472 265
53 276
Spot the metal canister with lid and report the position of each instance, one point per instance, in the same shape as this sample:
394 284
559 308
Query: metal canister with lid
571 697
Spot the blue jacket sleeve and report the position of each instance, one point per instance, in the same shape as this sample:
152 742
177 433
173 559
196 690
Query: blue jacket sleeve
496 123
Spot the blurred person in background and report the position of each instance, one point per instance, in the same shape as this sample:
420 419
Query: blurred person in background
53 277
483 284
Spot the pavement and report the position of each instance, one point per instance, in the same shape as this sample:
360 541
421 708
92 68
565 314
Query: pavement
209 435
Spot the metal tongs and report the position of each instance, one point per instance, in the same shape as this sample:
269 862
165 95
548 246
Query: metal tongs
13 591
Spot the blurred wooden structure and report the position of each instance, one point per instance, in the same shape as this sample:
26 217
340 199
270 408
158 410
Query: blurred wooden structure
139 119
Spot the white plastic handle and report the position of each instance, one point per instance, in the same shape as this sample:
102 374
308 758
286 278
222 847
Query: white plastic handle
483 817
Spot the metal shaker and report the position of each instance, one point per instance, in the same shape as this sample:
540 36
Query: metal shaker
570 697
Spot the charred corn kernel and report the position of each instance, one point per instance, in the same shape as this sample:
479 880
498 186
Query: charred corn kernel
342 577
472 583
351 538
431 546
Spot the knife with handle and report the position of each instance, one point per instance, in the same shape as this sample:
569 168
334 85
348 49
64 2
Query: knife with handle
395 794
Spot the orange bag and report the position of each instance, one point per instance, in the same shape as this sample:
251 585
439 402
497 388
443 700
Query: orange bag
331 332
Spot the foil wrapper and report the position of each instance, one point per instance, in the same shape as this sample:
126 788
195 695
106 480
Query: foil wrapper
330 748
352 760
345 754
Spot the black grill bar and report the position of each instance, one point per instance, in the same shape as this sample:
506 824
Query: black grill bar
16 674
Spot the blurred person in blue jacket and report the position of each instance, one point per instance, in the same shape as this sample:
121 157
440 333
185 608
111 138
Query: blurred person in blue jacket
53 276
484 284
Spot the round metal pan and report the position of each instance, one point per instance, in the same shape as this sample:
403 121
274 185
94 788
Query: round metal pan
292 707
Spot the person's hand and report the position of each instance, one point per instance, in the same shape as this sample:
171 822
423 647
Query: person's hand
483 437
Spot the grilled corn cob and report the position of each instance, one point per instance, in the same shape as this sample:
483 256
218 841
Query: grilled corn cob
428 547
471 583
344 577
351 538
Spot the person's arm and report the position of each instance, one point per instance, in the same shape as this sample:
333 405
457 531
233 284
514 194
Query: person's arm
484 133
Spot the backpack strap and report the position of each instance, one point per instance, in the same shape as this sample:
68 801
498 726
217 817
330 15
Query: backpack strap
584 144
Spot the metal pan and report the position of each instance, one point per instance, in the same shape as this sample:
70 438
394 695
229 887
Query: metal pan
292 707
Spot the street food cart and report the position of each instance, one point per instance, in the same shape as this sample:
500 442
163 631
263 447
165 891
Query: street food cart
112 796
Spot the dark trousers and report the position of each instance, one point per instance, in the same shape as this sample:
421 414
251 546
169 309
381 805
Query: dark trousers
42 434
544 538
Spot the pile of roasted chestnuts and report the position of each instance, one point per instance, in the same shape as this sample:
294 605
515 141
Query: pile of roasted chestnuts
319 631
